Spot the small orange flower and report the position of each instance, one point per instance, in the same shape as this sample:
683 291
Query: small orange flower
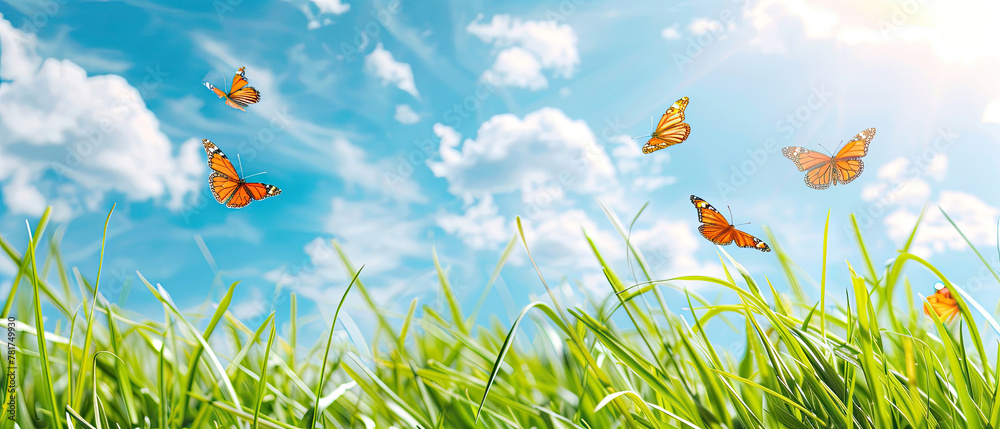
943 304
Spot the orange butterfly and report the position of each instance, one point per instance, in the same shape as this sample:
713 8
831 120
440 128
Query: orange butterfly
671 130
240 95
824 170
718 230
226 184
943 304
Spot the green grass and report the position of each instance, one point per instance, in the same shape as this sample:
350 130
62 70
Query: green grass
629 360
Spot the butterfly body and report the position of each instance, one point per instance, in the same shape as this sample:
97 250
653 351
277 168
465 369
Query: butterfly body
226 184
240 95
823 171
670 130
718 230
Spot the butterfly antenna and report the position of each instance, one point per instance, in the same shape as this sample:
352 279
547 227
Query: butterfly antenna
241 165
730 214
255 174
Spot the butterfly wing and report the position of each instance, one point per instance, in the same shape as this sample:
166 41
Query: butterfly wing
222 186
671 130
224 180
822 177
245 96
232 103
218 161
748 241
239 81
821 172
803 158
714 226
943 304
848 160
250 192
858 146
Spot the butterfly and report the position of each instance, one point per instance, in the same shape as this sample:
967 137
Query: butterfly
671 130
718 230
943 304
824 170
240 95
226 184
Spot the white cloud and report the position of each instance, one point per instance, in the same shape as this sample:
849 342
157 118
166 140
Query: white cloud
528 47
511 154
480 227
351 164
991 115
381 64
704 25
69 139
670 249
650 184
252 307
405 115
558 243
670 33
372 234
516 67
314 10
961 31
903 190
630 159
900 182
976 219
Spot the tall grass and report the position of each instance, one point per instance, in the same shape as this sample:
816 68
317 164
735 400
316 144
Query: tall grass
630 360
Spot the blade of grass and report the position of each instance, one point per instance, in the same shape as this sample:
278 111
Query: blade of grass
262 384
47 387
326 354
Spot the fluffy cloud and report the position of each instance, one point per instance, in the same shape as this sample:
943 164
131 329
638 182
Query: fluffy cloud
669 248
69 139
976 219
991 115
670 33
510 154
557 239
630 159
352 165
955 32
405 115
528 47
480 227
314 10
903 190
516 67
704 25
381 64
370 233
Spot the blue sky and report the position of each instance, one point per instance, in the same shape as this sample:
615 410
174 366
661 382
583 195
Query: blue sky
404 128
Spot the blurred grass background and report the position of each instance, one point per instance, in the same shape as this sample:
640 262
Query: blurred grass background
629 360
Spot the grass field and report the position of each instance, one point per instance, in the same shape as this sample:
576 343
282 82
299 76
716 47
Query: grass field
807 364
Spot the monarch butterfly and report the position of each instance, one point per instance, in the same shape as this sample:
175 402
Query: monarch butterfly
943 304
824 170
718 230
226 184
240 95
671 130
